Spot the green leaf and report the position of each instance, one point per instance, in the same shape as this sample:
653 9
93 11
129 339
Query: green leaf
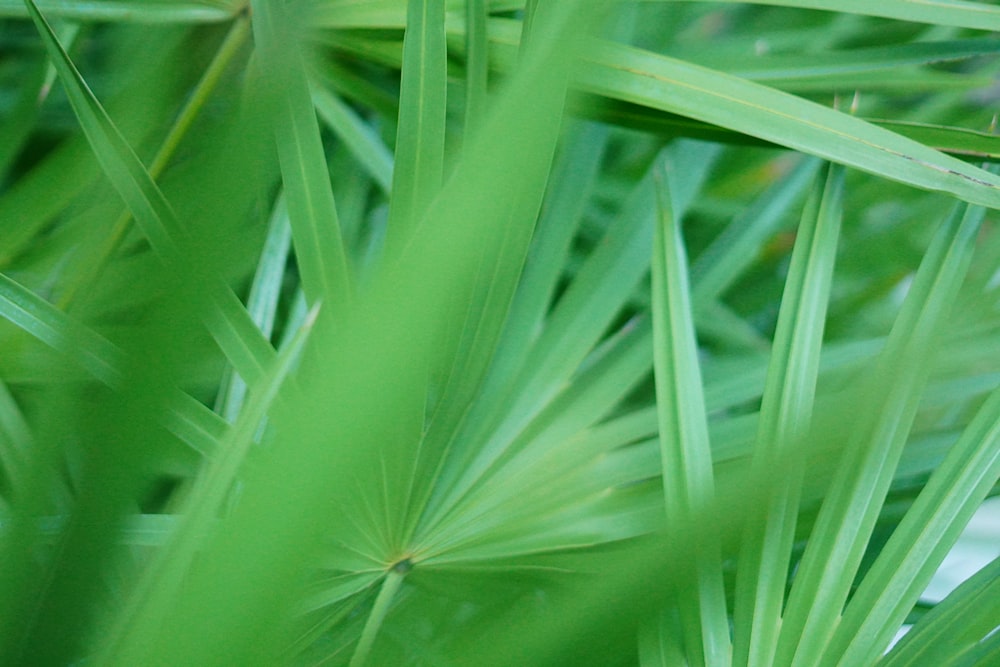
785 417
888 401
667 84
91 265
146 11
420 131
954 626
658 645
138 625
319 246
920 543
888 59
685 449
954 140
262 302
188 419
233 329
957 141
975 15
16 442
477 63
359 137
40 319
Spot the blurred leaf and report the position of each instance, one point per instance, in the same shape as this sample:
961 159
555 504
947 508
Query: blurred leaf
190 420
147 11
241 340
421 127
358 136
319 246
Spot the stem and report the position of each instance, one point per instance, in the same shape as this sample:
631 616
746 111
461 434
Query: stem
390 585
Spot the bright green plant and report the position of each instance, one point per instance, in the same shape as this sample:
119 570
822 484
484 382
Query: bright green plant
495 332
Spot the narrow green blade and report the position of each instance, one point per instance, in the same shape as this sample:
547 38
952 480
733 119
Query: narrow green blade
785 416
888 59
146 11
135 638
91 265
422 105
188 419
954 626
889 400
319 247
685 449
957 13
477 63
667 84
235 332
49 325
919 544
262 302
359 137
16 445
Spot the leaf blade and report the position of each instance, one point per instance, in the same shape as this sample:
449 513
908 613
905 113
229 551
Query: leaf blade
785 416
689 489
648 79
235 332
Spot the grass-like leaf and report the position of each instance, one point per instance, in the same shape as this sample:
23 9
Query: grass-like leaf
957 13
785 414
148 11
137 634
421 127
685 449
16 442
645 78
954 626
359 137
190 420
859 486
235 332
319 246
262 302
477 64
92 264
918 546
41 320
886 58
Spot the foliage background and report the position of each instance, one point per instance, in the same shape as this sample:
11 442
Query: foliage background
491 332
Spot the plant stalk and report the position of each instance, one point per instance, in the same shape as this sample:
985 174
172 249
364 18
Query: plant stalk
390 586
